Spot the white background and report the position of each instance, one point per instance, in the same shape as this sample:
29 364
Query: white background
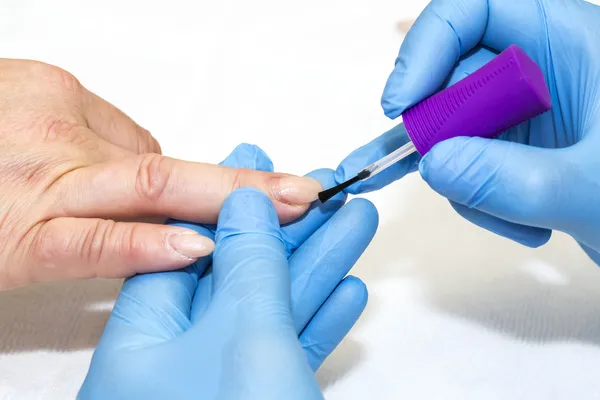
454 312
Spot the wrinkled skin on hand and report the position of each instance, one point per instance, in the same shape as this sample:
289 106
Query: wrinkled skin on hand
236 329
543 174
76 174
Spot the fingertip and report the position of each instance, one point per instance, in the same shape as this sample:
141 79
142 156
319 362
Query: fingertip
306 224
326 178
372 152
190 245
295 190
539 240
200 229
353 290
393 99
440 35
364 211
390 109
424 167
334 319
342 174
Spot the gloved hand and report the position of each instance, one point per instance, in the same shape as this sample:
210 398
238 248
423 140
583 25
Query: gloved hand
234 332
544 175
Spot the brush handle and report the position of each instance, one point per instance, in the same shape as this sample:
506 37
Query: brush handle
503 93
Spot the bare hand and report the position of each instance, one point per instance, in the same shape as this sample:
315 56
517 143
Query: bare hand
73 168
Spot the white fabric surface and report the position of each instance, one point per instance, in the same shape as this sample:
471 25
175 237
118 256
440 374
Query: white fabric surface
454 312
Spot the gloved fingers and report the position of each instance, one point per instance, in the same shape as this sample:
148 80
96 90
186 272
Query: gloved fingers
250 267
248 156
469 63
159 306
511 181
154 185
203 295
371 152
593 254
296 232
154 308
319 265
526 235
334 320
80 248
294 235
522 23
444 31
243 156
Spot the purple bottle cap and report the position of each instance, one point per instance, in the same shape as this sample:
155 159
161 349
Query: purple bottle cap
505 92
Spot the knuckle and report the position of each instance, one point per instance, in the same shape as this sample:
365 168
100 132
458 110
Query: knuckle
59 129
49 245
237 179
152 176
26 168
93 243
53 246
147 143
155 145
129 247
58 77
540 191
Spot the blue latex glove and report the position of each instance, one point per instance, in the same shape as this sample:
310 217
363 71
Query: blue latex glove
544 174
172 335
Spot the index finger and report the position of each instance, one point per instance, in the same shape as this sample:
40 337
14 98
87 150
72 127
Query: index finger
111 124
447 30
154 185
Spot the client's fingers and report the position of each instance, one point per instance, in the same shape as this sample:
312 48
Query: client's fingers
151 184
111 124
154 308
72 248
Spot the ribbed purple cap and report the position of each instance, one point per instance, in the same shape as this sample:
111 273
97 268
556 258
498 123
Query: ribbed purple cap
505 92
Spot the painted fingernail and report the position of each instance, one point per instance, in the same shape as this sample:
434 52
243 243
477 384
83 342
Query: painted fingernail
295 190
191 245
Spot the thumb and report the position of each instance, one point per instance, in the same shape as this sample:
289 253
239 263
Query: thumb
512 181
251 287
250 267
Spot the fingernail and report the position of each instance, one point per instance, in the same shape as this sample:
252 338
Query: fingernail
295 189
191 245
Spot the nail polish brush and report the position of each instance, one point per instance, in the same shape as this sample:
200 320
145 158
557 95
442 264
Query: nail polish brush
508 90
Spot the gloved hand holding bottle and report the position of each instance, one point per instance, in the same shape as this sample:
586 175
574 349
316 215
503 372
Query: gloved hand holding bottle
254 325
543 174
